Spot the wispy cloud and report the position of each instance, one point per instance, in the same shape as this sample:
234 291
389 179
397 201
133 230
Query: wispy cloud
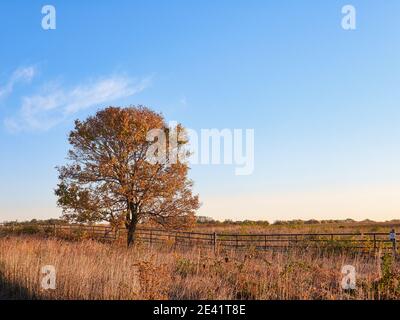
53 104
24 74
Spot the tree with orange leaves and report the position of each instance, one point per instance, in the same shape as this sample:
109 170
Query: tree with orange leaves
112 176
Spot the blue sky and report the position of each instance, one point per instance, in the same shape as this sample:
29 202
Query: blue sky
324 102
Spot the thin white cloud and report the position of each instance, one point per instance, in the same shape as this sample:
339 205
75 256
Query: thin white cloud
24 74
54 104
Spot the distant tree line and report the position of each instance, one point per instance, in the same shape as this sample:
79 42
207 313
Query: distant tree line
36 222
203 220
209 220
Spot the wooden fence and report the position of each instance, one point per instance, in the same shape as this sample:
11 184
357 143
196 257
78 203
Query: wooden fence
361 241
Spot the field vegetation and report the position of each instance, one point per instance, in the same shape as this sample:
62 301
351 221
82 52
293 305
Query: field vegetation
92 270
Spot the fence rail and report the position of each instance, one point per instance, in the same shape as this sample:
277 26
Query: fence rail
363 241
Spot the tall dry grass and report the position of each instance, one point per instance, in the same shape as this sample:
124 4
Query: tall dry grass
91 270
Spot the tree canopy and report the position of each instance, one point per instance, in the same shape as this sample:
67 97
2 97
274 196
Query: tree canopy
111 174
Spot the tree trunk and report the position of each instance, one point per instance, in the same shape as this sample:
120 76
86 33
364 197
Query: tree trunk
131 234
131 222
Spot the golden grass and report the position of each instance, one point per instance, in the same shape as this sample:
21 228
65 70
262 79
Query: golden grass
351 227
91 270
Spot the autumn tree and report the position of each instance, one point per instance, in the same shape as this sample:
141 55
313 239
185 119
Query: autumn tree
119 172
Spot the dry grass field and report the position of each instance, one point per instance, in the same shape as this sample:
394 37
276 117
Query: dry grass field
93 270
335 227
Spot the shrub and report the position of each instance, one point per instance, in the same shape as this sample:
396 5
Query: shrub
29 230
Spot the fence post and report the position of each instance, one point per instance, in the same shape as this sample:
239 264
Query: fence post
55 230
237 241
265 242
374 242
215 242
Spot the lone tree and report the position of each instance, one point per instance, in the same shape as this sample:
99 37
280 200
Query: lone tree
112 174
